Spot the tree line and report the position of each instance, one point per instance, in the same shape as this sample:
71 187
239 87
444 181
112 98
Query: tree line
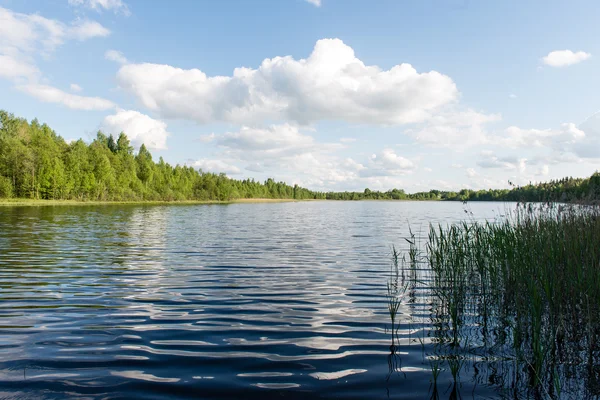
37 163
585 190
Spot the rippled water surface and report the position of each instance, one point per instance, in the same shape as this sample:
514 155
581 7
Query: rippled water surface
280 300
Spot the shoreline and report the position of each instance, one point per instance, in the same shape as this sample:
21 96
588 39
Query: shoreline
45 203
55 203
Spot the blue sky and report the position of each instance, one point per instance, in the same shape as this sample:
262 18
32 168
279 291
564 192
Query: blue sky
330 94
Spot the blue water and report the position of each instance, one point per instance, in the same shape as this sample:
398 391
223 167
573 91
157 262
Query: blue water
277 300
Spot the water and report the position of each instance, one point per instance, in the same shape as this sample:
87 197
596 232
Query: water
244 300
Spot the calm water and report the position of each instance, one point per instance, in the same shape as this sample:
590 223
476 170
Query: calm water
245 300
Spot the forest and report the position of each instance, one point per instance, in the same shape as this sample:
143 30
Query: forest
37 163
584 190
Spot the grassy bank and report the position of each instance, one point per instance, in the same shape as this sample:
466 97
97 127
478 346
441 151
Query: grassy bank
524 291
41 203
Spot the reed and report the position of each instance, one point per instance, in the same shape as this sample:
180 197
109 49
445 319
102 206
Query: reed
526 288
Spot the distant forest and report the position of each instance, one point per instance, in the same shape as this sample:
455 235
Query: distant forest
36 163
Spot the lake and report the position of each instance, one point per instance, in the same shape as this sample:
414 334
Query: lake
242 300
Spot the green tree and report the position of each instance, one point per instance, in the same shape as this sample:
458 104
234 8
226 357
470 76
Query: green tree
6 189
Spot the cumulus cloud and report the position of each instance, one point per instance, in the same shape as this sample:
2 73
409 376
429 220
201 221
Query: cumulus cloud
276 139
116 56
388 160
216 166
454 128
274 144
513 136
508 163
564 58
51 94
461 130
138 127
299 158
331 84
314 2
383 164
521 155
322 171
277 147
118 6
75 87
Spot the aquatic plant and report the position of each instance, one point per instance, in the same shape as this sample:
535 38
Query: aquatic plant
395 289
524 289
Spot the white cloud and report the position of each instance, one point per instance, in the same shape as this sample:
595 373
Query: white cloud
323 171
390 160
51 94
118 6
512 96
387 163
314 2
543 170
276 147
507 163
84 29
75 87
454 128
23 37
514 136
589 146
347 140
296 156
216 166
563 58
331 84
461 130
255 167
276 139
116 56
138 127
13 68
299 158
22 34
471 173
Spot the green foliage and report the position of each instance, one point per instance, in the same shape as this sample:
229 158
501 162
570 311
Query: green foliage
530 284
394 194
6 189
36 163
562 190
585 190
39 164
